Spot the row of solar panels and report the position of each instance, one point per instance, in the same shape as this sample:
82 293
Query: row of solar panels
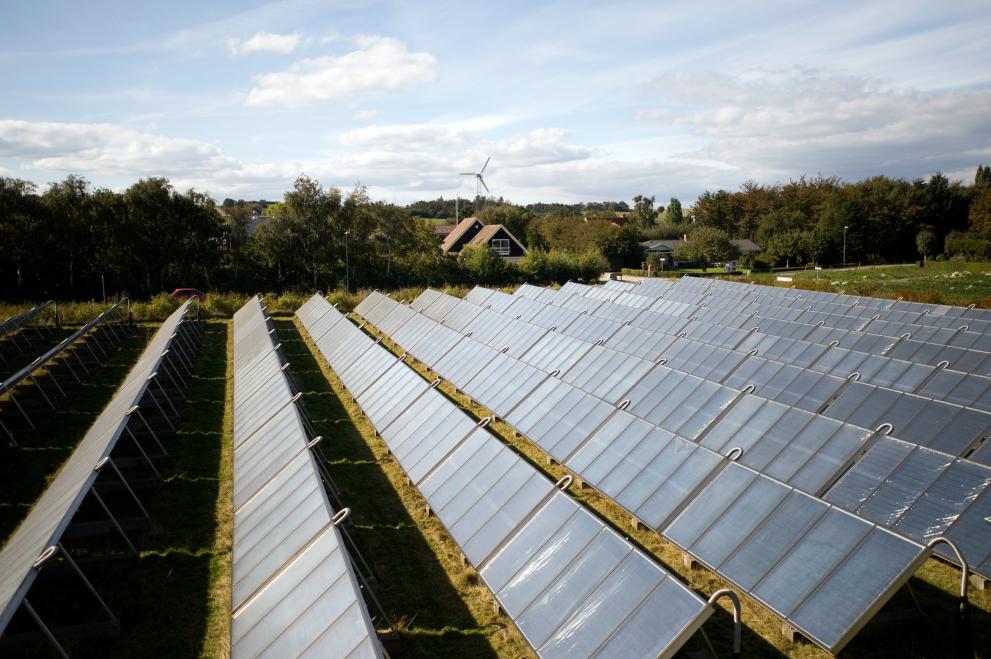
13 323
922 494
42 530
939 408
294 590
763 543
963 346
873 356
572 585
835 304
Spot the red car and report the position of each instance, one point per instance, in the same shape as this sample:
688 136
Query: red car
183 293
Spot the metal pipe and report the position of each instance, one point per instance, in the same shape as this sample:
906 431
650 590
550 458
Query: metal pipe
737 625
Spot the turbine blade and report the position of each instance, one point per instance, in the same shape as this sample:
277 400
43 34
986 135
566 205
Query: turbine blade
467 173
482 170
482 181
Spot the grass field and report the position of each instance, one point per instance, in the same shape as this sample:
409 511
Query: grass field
940 282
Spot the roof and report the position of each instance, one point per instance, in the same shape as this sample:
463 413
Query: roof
458 231
443 230
744 245
489 232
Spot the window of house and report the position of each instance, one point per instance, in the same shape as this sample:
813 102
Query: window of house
500 246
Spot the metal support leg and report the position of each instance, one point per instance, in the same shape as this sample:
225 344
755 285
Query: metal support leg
43 394
148 428
142 450
154 399
75 353
126 484
89 586
44 629
120 529
21 409
165 395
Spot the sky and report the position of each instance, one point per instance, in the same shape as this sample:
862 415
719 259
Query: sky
574 101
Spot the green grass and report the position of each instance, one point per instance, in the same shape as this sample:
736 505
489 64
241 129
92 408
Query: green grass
940 282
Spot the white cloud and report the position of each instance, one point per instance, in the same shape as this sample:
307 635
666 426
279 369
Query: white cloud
264 42
424 135
365 115
775 125
380 64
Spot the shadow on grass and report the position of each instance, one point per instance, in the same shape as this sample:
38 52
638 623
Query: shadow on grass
27 469
411 583
162 600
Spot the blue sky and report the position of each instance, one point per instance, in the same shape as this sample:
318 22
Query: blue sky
574 101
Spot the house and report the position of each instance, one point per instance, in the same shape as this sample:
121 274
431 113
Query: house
666 248
442 231
471 231
746 247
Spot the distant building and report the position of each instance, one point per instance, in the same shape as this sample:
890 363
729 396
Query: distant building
442 231
471 231
666 247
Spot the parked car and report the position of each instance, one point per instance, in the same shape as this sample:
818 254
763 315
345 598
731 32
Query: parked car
183 293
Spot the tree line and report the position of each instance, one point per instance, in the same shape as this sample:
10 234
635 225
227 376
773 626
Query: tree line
76 241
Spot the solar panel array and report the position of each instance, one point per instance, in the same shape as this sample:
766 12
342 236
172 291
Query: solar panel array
951 497
653 437
573 586
32 372
45 524
294 591
9 326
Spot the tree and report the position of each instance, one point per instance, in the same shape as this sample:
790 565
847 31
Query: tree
620 246
982 180
69 205
516 219
717 210
787 248
980 212
706 245
643 214
482 265
675 214
926 242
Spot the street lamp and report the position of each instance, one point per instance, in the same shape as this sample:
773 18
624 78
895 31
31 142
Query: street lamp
347 264
845 227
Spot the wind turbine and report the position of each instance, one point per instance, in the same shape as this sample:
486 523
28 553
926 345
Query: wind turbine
479 181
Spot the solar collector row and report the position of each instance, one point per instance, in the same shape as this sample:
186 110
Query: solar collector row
593 439
811 378
963 347
51 515
294 592
571 584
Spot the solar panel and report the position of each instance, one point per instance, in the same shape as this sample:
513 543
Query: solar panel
293 589
583 589
656 479
52 513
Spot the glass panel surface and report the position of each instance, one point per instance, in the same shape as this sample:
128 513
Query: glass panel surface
815 555
846 596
